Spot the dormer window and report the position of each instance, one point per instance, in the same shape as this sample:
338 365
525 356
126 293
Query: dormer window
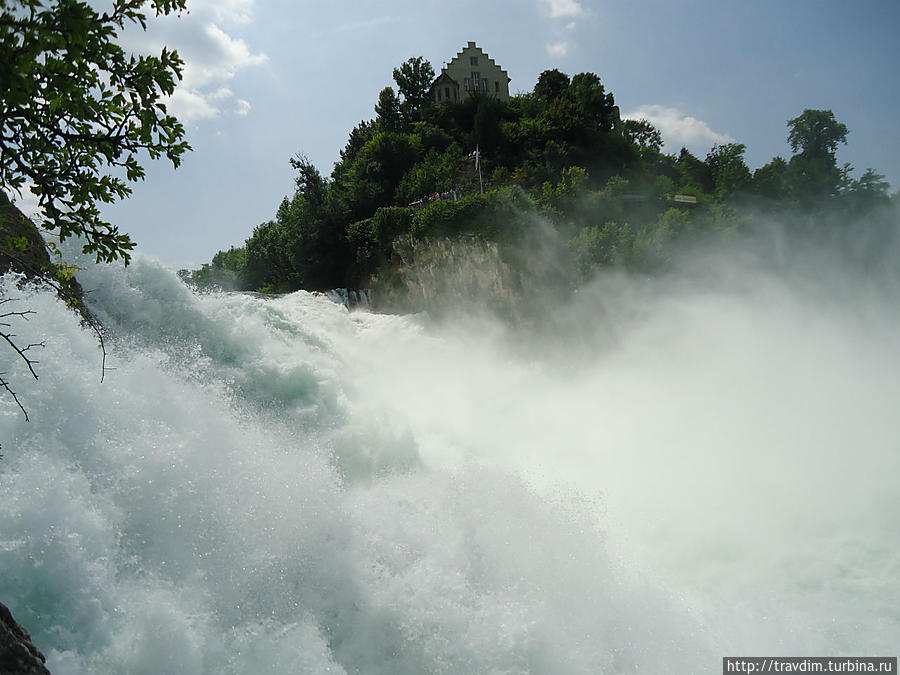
473 60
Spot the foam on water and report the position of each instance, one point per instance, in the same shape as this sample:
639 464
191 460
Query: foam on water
279 485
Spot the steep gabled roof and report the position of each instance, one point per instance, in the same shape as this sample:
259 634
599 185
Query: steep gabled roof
472 45
444 78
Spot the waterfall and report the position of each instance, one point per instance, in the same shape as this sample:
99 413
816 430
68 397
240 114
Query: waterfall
662 473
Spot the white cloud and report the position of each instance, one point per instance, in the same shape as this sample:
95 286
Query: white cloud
557 49
562 8
678 129
212 56
222 94
189 104
241 107
219 59
212 59
224 11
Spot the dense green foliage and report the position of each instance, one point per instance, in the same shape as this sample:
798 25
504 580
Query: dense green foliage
77 111
558 155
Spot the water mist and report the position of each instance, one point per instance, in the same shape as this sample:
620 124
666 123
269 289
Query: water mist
693 466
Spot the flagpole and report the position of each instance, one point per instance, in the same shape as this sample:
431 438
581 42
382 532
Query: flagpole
478 166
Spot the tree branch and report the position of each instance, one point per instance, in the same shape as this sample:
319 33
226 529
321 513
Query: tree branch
5 385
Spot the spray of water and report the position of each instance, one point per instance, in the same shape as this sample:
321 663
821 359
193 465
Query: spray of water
676 470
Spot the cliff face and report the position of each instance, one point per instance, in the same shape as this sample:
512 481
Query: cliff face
21 245
22 249
511 277
18 656
428 274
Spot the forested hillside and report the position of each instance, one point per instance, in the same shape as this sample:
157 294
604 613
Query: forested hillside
560 156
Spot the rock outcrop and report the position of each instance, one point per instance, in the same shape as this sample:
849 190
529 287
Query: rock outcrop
22 249
18 656
430 274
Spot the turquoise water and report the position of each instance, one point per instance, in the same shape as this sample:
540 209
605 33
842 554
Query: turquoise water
656 475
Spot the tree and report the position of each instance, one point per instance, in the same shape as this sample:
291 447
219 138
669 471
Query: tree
770 181
413 78
642 134
266 259
486 130
870 191
551 84
596 105
359 136
814 137
76 112
226 271
372 180
694 175
728 169
313 229
310 183
816 134
387 111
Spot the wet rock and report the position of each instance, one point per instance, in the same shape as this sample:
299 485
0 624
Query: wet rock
18 656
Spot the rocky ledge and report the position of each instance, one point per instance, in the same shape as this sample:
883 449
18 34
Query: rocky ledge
18 656
22 249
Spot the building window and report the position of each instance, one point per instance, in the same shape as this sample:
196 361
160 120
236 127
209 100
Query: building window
497 87
475 83
473 60
447 93
439 94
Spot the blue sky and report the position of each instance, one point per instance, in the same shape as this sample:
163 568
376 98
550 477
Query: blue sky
266 79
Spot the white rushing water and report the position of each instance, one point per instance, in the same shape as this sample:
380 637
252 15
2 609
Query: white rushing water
677 470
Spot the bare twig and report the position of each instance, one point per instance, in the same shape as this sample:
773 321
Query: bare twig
5 385
71 298
18 349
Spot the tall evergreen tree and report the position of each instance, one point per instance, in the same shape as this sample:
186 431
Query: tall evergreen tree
387 111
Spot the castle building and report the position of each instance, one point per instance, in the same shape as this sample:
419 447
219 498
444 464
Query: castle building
471 71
